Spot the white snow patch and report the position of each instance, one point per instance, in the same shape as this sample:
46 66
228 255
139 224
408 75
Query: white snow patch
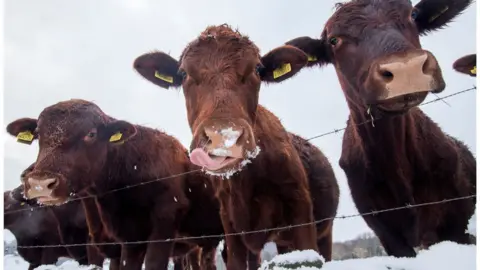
442 256
38 188
472 224
230 136
221 152
226 175
297 256
175 199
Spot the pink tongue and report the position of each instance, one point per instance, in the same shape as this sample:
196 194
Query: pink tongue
200 158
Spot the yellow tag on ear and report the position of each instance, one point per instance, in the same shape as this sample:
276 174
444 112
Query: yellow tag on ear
22 203
25 137
312 58
438 14
474 70
116 137
162 77
284 69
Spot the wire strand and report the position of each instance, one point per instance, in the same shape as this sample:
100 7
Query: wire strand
375 212
198 170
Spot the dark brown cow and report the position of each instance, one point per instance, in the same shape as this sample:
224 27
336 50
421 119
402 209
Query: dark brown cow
403 158
221 72
466 65
85 151
33 226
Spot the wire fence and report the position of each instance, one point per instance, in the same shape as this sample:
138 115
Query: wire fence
198 170
189 238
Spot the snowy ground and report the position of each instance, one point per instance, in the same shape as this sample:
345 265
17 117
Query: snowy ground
442 256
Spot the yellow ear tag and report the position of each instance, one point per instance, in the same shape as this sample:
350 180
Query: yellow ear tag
312 58
162 77
25 137
474 70
438 14
284 69
116 137
22 203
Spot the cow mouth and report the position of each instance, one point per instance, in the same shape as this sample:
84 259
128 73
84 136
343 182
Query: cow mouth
49 200
402 103
213 162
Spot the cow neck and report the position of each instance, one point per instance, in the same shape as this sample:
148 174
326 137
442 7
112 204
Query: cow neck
386 134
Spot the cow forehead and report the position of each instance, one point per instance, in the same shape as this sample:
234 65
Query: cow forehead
362 13
67 119
220 41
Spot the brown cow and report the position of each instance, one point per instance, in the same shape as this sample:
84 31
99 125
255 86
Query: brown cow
33 226
403 158
221 72
466 65
85 151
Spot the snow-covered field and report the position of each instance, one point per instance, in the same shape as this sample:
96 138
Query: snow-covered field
442 256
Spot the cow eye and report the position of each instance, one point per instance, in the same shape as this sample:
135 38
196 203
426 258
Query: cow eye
333 41
90 135
183 74
414 14
259 68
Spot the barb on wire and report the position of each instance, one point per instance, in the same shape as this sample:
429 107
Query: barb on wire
370 120
375 212
180 174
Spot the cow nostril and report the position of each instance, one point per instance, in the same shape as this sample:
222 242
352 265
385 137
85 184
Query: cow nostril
53 184
386 75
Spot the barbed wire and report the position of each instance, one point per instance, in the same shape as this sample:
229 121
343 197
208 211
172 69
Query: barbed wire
198 170
188 238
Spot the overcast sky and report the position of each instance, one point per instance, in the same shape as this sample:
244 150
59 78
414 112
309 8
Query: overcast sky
57 50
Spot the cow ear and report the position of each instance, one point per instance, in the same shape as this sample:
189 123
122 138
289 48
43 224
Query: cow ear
159 68
117 132
431 15
315 49
467 65
282 63
23 129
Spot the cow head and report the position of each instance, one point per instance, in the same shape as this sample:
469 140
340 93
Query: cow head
466 65
74 138
221 72
375 49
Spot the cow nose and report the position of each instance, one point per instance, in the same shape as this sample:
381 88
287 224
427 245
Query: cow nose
224 138
41 187
411 73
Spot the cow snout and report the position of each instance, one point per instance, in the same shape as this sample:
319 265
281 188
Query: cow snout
221 147
405 73
41 187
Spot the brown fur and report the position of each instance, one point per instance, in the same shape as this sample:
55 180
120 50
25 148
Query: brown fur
33 226
405 158
86 163
221 72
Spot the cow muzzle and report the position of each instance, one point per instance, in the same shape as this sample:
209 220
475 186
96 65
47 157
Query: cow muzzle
41 189
403 80
223 149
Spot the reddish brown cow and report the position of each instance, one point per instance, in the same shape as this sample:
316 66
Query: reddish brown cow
466 65
403 158
85 151
221 72
33 226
